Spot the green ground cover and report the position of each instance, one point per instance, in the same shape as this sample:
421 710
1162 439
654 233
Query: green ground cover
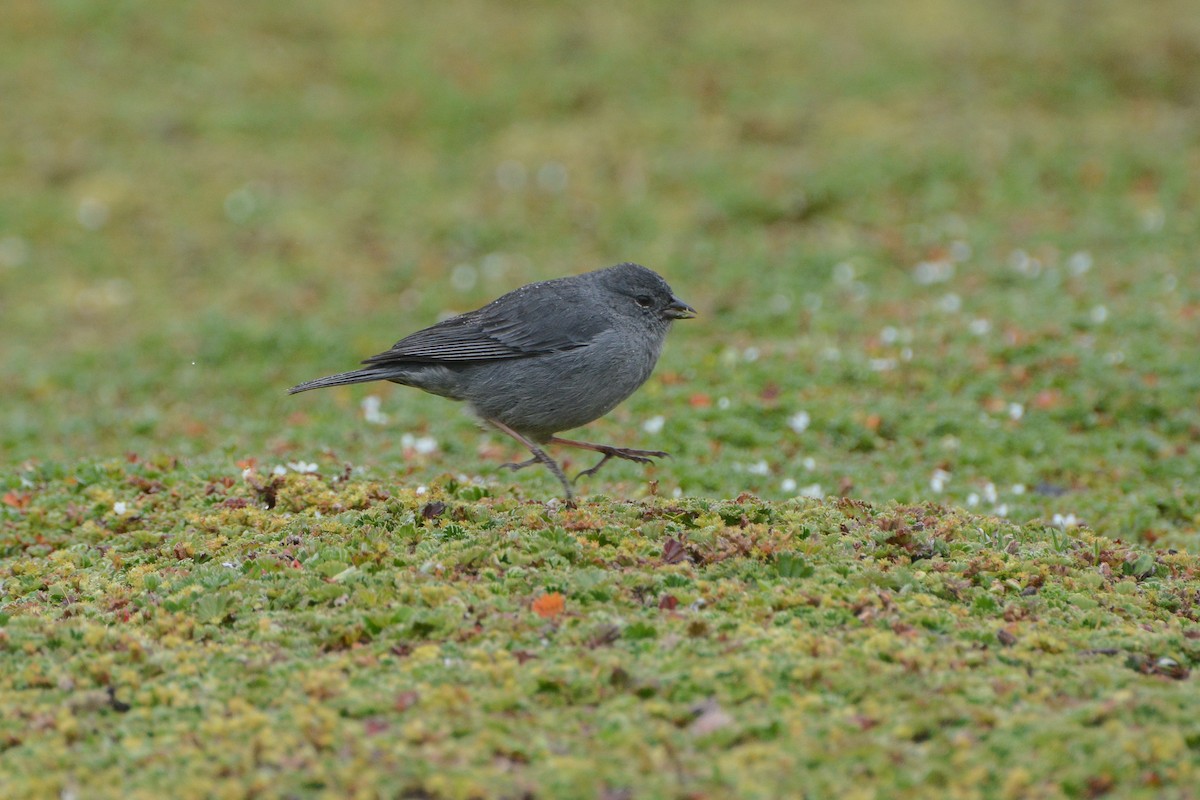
932 517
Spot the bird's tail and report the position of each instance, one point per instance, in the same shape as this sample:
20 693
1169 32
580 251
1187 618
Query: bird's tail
343 378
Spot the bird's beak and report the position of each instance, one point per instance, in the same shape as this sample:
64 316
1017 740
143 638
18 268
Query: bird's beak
679 309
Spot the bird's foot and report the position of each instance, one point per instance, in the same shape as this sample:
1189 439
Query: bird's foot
629 454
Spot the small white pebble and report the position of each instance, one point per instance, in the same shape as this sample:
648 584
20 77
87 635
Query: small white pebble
654 425
787 485
799 421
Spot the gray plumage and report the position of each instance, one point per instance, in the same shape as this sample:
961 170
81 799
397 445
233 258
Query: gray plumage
543 358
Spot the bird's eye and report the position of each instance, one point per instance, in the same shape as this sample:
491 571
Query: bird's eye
644 300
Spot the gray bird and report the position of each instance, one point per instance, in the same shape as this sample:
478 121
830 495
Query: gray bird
544 358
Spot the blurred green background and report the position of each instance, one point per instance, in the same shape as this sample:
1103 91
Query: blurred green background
942 251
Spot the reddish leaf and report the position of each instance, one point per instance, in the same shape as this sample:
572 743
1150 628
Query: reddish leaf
549 606
17 501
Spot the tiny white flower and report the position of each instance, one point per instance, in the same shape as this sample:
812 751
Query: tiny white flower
422 489
960 250
759 468
1018 488
809 463
1098 315
812 491
928 272
423 445
654 424
119 508
463 277
799 421
989 493
980 326
1015 411
787 485
279 470
303 467
950 303
972 500
939 479
371 410
723 403
1079 262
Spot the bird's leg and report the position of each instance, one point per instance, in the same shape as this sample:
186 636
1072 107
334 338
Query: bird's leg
538 455
516 465
629 454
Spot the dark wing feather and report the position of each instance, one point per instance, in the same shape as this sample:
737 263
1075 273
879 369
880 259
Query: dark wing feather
540 318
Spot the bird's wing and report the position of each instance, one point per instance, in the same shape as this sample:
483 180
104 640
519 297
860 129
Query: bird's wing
519 324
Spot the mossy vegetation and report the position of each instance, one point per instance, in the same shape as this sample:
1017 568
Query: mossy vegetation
932 519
